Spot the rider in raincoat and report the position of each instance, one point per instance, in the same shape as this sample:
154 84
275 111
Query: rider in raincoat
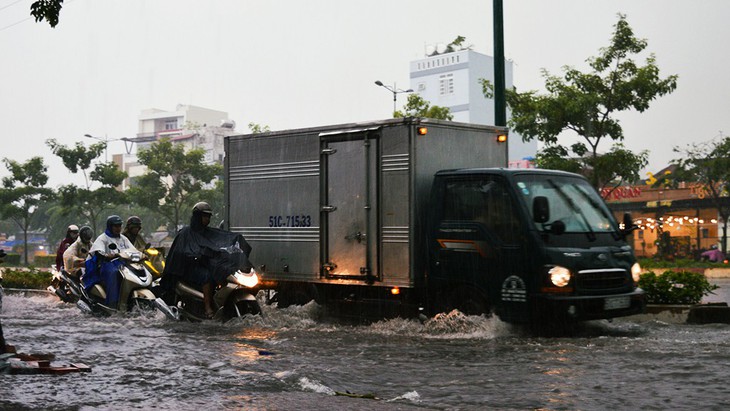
99 265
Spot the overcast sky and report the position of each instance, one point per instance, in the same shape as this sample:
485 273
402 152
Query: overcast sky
291 64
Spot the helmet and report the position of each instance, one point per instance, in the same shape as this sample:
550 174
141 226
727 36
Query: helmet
72 227
85 233
113 220
203 208
134 221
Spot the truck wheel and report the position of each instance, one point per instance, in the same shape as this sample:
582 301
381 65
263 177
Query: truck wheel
469 301
295 295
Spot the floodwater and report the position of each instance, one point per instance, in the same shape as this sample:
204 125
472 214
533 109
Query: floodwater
293 359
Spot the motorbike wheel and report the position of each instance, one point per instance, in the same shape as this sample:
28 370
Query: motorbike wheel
141 305
241 308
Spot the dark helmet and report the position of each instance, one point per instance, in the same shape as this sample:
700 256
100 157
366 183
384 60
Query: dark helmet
134 221
85 234
202 208
113 220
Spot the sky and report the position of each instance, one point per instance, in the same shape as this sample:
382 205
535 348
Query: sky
292 64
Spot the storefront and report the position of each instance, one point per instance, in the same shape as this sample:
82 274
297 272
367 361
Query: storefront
674 223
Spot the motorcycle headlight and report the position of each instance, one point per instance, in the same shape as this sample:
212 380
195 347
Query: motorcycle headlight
636 272
250 279
559 276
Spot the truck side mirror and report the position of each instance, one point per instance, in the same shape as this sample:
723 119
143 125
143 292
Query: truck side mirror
628 225
540 209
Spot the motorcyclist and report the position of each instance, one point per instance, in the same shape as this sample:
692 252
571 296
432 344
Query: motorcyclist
75 255
99 265
195 256
72 232
132 229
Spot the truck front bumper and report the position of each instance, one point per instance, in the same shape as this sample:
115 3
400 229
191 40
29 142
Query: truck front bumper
590 307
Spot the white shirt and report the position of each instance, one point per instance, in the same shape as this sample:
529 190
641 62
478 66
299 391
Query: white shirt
102 244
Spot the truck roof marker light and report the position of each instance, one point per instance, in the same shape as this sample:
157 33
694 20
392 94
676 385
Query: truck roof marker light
395 291
501 138
422 131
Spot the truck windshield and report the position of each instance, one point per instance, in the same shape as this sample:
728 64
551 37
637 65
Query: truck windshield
572 201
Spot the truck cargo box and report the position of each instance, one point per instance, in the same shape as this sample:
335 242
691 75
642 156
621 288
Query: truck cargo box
343 204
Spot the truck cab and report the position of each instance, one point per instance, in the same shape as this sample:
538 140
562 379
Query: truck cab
528 244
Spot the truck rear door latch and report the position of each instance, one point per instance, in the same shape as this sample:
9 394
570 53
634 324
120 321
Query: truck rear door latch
328 208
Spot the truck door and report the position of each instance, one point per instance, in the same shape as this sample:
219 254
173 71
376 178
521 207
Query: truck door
479 242
349 204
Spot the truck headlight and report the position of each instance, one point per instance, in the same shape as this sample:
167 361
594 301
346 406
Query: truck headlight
250 279
636 272
559 276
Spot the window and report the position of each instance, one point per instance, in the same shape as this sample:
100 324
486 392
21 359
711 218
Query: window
483 201
421 86
446 84
171 124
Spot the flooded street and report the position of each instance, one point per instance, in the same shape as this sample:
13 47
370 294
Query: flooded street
292 359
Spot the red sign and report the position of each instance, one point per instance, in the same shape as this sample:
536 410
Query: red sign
621 193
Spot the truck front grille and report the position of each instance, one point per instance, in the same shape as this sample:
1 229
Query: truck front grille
602 280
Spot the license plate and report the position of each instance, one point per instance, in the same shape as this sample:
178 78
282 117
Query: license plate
616 303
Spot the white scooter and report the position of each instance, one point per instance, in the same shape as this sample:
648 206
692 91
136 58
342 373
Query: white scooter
135 285
234 299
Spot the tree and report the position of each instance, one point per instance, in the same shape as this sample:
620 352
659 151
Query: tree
46 10
173 177
22 193
708 164
586 103
418 107
257 128
99 192
609 170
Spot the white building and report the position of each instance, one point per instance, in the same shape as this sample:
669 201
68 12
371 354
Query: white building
192 126
453 80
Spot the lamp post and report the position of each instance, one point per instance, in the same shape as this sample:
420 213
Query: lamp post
106 141
393 90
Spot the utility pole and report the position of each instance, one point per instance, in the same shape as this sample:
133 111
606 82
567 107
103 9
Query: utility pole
500 106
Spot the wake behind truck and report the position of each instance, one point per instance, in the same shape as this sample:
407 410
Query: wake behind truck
408 216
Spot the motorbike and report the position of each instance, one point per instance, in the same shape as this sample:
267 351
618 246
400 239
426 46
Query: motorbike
234 299
66 286
154 261
135 292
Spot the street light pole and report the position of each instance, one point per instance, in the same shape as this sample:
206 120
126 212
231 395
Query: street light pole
106 141
393 90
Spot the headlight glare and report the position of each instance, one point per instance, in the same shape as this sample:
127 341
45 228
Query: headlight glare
559 276
636 272
250 279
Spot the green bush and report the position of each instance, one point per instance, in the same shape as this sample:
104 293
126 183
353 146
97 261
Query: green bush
32 278
680 262
675 287
45 261
12 259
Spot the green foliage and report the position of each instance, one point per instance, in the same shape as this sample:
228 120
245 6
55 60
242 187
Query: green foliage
610 170
675 287
258 128
46 10
23 192
99 193
12 259
647 263
31 278
586 103
44 260
418 107
707 163
172 178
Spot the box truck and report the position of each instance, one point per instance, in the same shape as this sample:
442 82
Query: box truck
408 216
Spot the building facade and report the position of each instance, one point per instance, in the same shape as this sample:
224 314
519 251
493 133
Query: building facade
453 80
673 223
191 126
